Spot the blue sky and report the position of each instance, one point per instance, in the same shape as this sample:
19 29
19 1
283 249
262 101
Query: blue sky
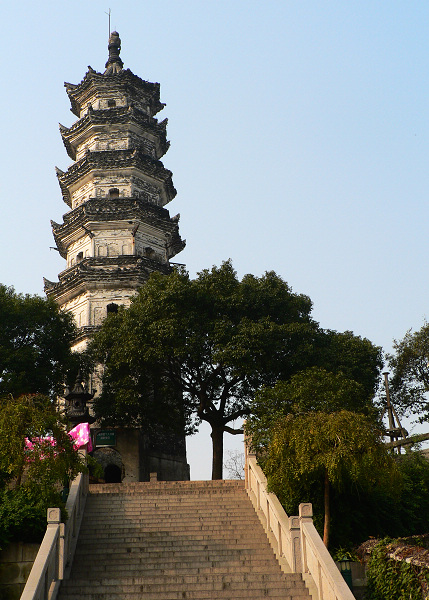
299 143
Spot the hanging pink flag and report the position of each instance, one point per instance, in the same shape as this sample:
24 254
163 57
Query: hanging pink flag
81 435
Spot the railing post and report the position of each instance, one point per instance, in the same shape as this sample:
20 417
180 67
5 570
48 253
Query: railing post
61 551
295 542
248 453
305 516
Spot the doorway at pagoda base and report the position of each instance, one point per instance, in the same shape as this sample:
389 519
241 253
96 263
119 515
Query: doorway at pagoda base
112 474
111 462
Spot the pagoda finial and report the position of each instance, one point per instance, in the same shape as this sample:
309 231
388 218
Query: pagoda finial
114 64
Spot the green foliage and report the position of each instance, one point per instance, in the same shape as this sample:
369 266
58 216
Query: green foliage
35 341
410 381
211 341
31 479
311 390
354 357
23 513
345 445
389 578
323 458
413 509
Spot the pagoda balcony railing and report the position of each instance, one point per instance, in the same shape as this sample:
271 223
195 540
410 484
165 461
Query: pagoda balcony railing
54 559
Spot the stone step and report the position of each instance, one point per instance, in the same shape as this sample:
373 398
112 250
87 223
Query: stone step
174 530
154 569
205 579
224 594
175 540
163 502
148 514
107 587
167 488
181 555
187 552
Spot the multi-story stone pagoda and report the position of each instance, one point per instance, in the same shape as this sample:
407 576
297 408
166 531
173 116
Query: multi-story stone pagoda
116 233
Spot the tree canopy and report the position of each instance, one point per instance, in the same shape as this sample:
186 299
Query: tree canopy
318 433
410 380
336 448
312 390
213 341
35 338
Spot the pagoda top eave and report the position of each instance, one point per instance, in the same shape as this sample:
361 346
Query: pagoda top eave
123 160
124 81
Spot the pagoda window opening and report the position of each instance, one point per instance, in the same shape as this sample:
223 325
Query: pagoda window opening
111 103
112 308
79 257
113 193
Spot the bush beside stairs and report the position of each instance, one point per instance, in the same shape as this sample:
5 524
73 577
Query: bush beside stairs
175 540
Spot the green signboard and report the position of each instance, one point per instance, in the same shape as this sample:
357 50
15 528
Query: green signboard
105 438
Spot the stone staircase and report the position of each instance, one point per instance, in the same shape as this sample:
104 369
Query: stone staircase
175 540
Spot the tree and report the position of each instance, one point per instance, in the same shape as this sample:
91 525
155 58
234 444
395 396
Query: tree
410 382
35 338
212 341
37 457
356 358
336 449
312 390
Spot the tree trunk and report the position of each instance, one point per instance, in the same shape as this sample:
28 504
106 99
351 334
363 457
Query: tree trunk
327 512
217 442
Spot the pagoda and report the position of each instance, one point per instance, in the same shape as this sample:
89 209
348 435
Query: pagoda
116 233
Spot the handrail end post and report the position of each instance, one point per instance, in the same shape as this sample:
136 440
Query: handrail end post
305 516
295 542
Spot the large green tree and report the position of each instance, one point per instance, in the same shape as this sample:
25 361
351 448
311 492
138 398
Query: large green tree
317 433
213 341
410 380
35 339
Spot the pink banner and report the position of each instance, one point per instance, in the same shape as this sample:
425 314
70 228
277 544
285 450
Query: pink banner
81 435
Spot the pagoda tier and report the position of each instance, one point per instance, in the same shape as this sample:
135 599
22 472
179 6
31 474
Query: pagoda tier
128 128
120 226
122 273
94 286
131 172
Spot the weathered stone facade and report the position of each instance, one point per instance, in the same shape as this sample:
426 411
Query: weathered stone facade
117 231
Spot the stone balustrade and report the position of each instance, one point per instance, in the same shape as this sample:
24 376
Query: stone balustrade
54 559
298 545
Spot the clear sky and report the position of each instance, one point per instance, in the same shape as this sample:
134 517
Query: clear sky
299 143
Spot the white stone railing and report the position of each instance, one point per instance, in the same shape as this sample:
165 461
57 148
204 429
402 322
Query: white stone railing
53 561
295 539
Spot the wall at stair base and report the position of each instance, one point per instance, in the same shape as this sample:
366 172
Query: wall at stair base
137 455
15 566
168 468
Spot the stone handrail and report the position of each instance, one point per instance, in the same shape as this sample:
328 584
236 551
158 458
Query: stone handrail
295 539
317 561
285 530
53 561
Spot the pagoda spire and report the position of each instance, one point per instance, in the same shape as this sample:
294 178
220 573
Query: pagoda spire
114 64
